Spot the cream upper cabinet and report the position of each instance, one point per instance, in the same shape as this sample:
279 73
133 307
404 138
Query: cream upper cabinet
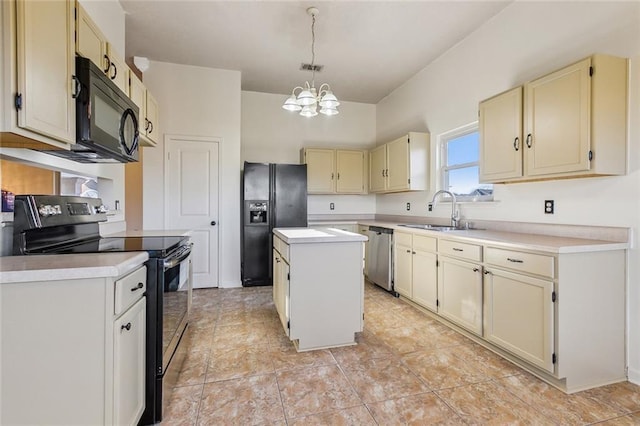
151 122
147 105
43 90
92 44
321 170
501 141
377 169
350 168
574 123
334 171
405 166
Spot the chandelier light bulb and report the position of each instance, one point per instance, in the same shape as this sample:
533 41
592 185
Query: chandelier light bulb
309 98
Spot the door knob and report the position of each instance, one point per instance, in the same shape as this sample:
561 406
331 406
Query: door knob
213 223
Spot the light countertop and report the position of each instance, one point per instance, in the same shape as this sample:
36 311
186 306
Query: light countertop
16 269
515 240
309 235
153 233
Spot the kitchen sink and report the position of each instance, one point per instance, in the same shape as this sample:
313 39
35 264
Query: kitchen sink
428 227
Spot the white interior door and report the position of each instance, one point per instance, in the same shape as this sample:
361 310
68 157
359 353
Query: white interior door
191 200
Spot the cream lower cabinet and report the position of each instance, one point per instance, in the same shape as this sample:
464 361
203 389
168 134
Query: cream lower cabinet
460 293
415 268
82 343
519 316
281 281
364 230
319 286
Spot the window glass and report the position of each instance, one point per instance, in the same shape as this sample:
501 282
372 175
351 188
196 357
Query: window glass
460 168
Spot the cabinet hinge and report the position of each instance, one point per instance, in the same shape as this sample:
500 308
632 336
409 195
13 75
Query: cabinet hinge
288 276
409 181
363 316
437 263
590 71
18 101
289 325
590 155
437 302
168 156
553 296
553 358
408 140
75 13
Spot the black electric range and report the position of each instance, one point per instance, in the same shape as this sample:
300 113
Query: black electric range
67 225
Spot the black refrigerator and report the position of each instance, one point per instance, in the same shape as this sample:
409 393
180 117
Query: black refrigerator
273 196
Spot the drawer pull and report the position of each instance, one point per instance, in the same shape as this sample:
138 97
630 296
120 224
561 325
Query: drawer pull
127 326
487 272
515 260
476 270
138 287
457 249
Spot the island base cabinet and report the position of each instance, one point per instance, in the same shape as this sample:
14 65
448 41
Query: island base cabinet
326 294
519 316
460 293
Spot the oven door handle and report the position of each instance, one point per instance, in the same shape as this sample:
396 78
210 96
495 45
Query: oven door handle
180 255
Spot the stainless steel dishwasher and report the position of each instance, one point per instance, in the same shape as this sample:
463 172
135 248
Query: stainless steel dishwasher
380 267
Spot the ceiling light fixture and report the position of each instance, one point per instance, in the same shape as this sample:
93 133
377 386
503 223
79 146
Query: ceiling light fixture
308 98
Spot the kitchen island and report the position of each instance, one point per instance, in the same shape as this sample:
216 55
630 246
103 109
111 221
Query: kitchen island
318 285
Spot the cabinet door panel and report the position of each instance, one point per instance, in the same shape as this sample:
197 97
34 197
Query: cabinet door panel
398 164
90 42
558 120
152 125
320 171
425 279
129 365
501 143
377 168
118 70
350 172
402 271
46 63
520 316
460 293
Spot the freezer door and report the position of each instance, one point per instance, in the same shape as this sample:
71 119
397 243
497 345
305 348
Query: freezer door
289 198
255 182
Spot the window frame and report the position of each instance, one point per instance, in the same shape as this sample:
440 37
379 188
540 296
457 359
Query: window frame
444 169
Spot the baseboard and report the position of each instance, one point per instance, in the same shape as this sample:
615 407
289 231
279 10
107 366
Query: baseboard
634 376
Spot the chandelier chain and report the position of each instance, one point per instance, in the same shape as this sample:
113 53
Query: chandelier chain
313 49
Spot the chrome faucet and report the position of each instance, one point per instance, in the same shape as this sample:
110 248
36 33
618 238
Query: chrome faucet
455 215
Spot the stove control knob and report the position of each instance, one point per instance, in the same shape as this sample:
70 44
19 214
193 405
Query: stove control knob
101 209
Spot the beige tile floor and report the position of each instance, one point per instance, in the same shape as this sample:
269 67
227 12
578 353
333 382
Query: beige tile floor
406 369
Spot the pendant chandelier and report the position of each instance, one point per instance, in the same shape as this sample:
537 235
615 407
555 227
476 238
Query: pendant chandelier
308 98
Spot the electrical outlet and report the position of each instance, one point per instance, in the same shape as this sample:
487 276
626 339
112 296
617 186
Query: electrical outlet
548 206
332 206
430 207
408 206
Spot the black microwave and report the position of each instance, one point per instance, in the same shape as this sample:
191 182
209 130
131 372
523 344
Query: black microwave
106 119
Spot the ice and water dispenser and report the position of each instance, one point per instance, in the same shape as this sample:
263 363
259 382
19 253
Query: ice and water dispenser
256 213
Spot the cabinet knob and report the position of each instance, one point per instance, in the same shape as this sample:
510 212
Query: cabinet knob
138 287
476 270
213 223
516 143
408 251
115 71
127 326
528 140
77 87
487 272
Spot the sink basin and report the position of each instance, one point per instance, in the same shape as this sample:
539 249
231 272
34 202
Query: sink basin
429 227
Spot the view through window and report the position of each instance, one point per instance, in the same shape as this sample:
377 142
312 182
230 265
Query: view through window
460 171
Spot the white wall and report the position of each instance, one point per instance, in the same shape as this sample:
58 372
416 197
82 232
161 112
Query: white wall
197 101
272 135
527 40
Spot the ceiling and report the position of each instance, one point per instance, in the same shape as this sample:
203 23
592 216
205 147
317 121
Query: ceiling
368 48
